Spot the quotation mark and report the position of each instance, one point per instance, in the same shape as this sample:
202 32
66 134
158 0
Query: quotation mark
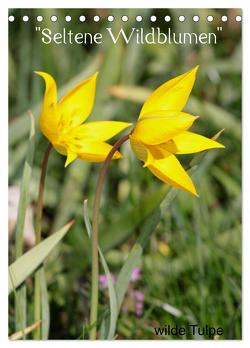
38 28
219 28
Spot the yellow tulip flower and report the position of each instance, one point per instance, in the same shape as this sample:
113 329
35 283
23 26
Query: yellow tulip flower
63 122
162 132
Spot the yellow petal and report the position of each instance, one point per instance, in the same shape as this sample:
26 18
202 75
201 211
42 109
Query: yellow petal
49 117
161 126
188 142
71 156
172 95
96 151
77 104
170 171
50 96
100 130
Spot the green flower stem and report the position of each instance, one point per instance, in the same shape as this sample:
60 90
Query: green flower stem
95 263
38 223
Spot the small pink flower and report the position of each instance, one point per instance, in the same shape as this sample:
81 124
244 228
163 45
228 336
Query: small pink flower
103 281
136 274
139 296
139 308
139 302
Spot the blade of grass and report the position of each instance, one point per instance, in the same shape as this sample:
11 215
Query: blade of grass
20 334
44 305
38 237
112 293
23 202
20 297
28 262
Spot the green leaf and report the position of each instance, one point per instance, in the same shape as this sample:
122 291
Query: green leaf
114 311
124 276
27 263
86 218
21 308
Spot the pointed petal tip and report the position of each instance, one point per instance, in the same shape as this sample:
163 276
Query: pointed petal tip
123 124
128 124
67 163
196 194
95 75
192 190
44 75
196 68
70 158
40 73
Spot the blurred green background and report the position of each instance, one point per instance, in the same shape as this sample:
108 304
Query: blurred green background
191 269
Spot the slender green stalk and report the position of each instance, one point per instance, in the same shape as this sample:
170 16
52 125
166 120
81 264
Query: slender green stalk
94 239
38 223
